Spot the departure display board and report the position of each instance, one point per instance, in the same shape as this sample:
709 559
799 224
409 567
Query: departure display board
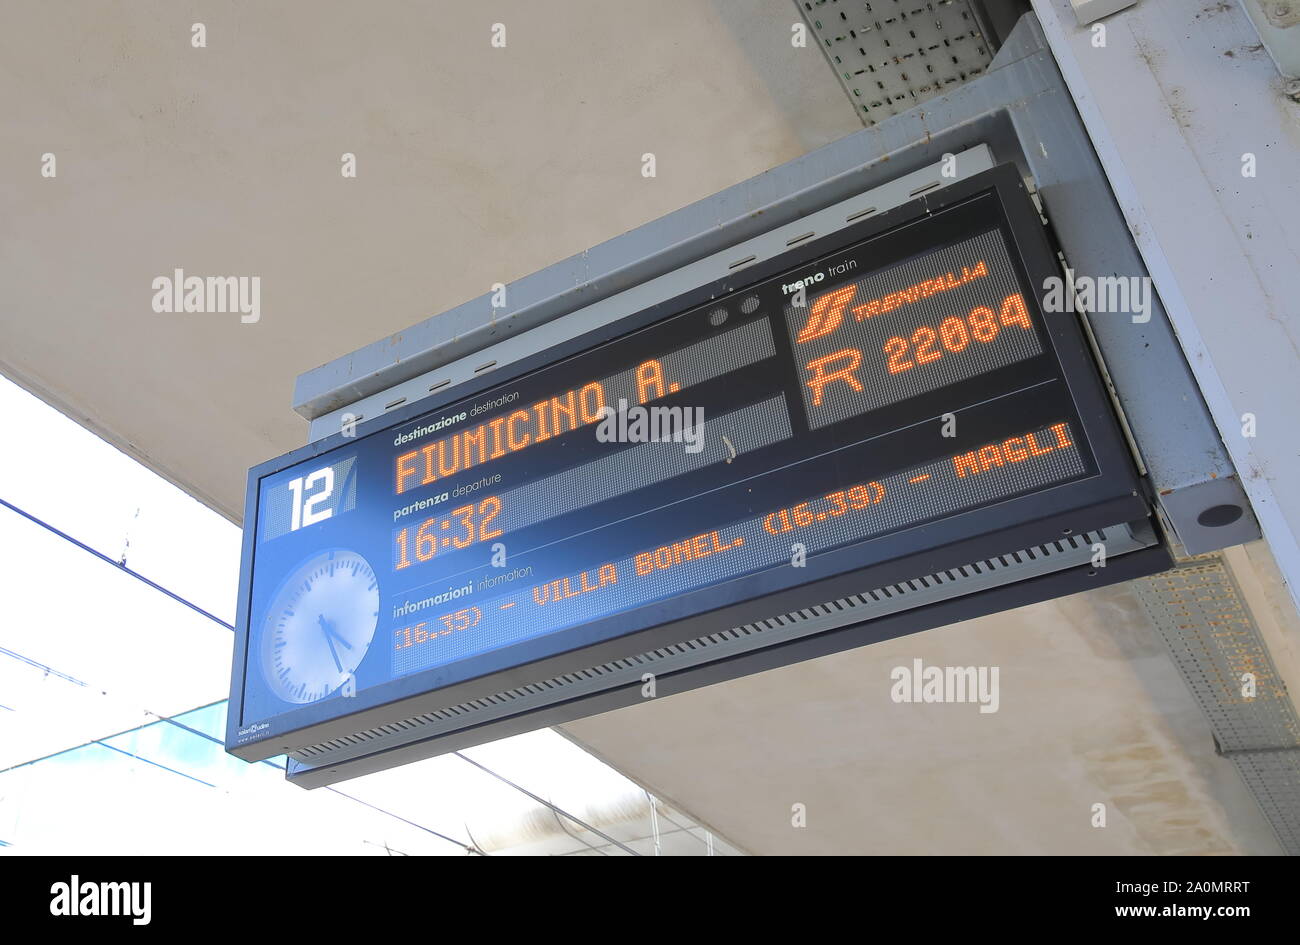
731 443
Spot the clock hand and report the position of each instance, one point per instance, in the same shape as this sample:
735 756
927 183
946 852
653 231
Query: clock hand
328 627
325 629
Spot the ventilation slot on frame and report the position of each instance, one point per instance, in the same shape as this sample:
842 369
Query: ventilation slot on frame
626 671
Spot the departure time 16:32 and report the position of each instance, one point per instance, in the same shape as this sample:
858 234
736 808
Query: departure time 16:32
460 528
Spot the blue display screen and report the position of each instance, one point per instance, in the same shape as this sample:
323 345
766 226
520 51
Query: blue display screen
883 386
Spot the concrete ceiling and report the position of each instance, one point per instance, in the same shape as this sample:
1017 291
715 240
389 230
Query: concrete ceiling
478 165
475 165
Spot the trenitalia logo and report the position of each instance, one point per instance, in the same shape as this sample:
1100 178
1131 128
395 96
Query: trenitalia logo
827 311
76 898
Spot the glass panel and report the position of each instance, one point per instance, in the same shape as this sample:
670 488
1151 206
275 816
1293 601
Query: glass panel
87 650
88 489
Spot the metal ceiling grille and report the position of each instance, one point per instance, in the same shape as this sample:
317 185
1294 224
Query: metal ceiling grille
1198 609
890 55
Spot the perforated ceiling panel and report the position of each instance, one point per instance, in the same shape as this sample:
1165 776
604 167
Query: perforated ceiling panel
893 54
1198 609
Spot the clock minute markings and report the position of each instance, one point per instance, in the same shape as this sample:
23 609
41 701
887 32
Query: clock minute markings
323 577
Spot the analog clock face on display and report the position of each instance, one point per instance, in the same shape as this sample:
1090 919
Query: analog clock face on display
319 625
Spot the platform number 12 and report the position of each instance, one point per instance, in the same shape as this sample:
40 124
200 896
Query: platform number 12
304 507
